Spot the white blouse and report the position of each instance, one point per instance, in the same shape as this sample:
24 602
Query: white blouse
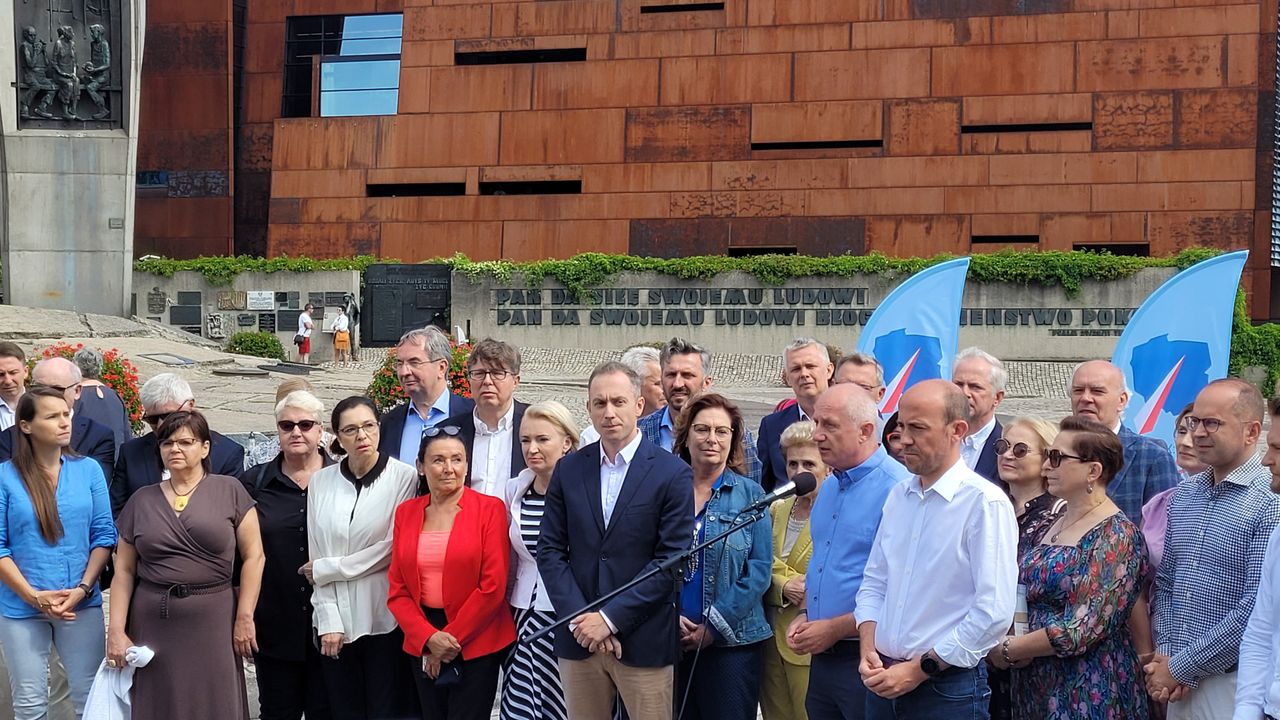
349 537
525 586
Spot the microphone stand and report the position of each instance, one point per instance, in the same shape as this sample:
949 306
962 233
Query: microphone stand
666 566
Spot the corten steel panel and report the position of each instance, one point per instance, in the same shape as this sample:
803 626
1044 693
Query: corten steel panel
862 74
319 144
409 141
677 43
1174 231
1130 121
1019 109
1111 65
920 33
969 8
562 136
284 210
599 84
479 88
691 133
1196 165
1023 69
787 38
188 49
193 149
415 242
560 17
175 218
191 102
726 79
905 172
1064 169
1049 28
923 127
324 240
1215 118
790 12
808 122
538 239
679 237
919 236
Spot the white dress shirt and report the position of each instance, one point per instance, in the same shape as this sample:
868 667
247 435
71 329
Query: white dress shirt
349 538
943 571
6 415
491 455
613 471
1258 678
971 446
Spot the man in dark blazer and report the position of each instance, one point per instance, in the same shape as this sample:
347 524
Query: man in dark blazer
88 438
982 378
139 463
807 369
491 431
614 510
422 364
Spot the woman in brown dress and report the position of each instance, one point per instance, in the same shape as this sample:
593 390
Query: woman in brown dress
178 540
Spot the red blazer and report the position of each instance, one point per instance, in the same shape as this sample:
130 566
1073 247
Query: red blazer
475 570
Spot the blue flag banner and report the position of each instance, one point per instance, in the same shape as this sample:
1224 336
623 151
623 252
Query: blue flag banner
1177 342
915 330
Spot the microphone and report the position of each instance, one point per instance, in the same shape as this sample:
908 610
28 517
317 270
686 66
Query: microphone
802 484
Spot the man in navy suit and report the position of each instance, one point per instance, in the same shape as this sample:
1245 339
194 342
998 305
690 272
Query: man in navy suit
139 464
88 438
614 510
422 364
491 431
807 369
982 378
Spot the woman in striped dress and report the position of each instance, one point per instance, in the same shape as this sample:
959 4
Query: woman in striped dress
531 688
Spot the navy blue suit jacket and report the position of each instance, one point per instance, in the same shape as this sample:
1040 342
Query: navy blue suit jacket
88 438
773 468
986 465
391 430
581 560
139 465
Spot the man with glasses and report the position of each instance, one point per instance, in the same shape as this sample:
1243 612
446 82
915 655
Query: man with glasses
491 431
1098 392
982 378
1215 544
863 370
422 364
139 463
88 438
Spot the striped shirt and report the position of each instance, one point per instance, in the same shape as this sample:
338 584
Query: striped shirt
1214 549
531 508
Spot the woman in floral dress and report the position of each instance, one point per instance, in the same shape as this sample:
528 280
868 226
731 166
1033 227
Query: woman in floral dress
1083 581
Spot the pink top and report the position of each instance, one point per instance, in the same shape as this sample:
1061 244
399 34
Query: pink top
431 547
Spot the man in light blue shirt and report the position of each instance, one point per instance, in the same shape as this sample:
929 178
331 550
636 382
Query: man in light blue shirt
843 525
422 364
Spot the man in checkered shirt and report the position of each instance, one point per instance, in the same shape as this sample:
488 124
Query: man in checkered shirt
1219 525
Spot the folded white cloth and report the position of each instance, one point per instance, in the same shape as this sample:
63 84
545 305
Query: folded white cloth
109 698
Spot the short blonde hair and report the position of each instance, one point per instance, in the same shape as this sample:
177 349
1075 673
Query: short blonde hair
1046 431
292 385
304 401
797 434
558 415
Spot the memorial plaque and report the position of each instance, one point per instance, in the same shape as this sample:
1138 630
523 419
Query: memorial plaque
232 300
316 298
246 319
282 299
157 301
190 298
401 297
72 63
261 300
335 299
267 322
287 319
186 315
294 299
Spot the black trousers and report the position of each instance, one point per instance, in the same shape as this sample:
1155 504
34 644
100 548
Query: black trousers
471 698
371 679
288 688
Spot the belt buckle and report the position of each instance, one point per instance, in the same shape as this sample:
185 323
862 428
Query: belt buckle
182 591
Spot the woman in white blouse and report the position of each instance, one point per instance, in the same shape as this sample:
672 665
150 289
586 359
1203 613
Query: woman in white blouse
531 688
350 507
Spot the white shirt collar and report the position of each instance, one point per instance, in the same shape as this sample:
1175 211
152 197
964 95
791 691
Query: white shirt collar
625 454
979 438
1116 429
946 486
504 422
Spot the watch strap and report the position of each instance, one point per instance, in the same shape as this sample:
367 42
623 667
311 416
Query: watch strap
88 591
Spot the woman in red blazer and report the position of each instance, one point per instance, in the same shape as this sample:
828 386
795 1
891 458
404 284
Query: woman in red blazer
461 628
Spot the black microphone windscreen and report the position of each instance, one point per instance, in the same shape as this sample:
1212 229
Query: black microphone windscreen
805 482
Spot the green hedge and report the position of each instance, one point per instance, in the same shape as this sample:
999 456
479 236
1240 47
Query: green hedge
223 270
1254 345
257 344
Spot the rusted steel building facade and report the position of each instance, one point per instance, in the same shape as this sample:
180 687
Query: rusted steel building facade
528 129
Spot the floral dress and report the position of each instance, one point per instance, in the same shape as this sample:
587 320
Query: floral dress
1082 596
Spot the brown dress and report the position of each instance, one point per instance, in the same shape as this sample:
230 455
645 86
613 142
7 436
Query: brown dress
195 674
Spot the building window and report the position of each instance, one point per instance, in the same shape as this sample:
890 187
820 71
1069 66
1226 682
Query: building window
359 65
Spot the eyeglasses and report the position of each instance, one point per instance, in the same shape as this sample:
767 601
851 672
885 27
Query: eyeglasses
287 426
1056 457
477 376
437 431
1210 425
705 431
1020 450
157 418
183 443
414 364
370 429
60 388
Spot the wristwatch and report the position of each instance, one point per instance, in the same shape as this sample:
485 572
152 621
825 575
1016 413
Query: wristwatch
88 591
930 665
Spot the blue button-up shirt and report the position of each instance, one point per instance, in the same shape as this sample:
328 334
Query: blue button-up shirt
666 430
85 511
414 425
843 524
1214 550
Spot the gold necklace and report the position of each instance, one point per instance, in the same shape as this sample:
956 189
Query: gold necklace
1054 538
180 500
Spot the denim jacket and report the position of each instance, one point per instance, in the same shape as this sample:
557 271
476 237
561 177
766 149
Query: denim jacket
738 570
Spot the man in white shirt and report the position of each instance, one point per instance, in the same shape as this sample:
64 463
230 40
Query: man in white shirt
491 431
982 378
1258 677
940 586
13 381
303 337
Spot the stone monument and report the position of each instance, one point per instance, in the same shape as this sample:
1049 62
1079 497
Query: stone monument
70 143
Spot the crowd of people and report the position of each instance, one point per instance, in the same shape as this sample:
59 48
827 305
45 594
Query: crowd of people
457 554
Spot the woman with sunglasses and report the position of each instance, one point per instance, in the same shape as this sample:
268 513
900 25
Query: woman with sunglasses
349 510
1020 463
456 632
1083 581
288 662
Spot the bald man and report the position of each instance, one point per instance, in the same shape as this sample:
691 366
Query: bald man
1098 392
88 438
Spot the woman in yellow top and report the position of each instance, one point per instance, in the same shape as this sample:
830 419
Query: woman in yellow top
786 674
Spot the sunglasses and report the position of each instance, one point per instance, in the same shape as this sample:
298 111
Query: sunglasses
1056 457
287 426
437 431
155 420
1020 450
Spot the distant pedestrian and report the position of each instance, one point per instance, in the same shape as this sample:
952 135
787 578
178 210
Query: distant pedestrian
303 338
342 336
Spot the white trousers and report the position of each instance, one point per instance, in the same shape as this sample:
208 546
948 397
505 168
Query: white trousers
1215 699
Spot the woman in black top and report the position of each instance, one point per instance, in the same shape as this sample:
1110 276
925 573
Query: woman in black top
290 682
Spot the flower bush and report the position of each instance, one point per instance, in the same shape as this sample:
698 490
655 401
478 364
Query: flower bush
257 344
385 390
117 373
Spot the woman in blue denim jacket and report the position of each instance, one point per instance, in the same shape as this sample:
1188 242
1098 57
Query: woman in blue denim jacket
722 622
55 536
